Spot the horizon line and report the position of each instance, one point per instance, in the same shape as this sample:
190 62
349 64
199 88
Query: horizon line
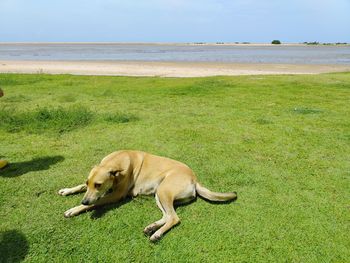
171 43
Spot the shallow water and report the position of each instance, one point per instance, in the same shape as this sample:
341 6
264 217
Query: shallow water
177 52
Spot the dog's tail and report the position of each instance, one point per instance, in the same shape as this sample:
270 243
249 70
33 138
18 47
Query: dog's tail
213 196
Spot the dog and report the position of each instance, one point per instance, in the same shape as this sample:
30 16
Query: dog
132 173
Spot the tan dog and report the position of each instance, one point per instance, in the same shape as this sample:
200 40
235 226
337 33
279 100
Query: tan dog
134 173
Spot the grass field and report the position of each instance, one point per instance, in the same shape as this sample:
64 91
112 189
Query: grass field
281 142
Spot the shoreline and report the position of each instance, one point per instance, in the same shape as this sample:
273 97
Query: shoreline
162 69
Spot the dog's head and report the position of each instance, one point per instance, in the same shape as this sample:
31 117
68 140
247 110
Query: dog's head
99 184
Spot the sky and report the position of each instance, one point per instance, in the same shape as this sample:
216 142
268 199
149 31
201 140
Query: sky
256 21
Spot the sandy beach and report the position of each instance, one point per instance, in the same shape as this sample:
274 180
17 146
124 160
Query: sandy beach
162 69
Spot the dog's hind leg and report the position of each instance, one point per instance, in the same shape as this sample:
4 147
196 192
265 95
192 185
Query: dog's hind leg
150 229
77 189
173 187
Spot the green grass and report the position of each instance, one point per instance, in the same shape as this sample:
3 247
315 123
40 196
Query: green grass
45 119
58 120
281 142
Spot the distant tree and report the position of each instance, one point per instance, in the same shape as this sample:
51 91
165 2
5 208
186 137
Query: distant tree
276 42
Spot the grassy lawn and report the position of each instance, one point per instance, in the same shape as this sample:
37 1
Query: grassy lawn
281 142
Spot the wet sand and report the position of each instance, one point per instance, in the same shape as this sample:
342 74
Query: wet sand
162 69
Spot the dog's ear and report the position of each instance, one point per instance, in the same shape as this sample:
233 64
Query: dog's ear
113 172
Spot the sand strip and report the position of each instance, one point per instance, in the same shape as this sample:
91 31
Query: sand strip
162 69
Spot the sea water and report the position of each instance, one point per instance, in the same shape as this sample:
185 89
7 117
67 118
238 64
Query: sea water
284 54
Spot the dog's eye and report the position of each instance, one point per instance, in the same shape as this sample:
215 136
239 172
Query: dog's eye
97 185
87 182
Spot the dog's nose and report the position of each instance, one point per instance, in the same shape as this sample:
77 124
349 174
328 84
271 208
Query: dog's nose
85 202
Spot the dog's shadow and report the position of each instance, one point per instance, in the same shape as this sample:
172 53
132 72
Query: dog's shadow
102 210
36 164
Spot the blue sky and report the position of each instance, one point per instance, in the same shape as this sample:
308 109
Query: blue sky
174 20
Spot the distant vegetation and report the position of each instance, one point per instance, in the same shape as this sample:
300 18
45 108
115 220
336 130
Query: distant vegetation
276 42
311 43
325 44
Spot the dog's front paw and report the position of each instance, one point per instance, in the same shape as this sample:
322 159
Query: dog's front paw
72 212
64 191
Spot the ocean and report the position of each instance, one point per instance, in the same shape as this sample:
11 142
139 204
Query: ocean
284 54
